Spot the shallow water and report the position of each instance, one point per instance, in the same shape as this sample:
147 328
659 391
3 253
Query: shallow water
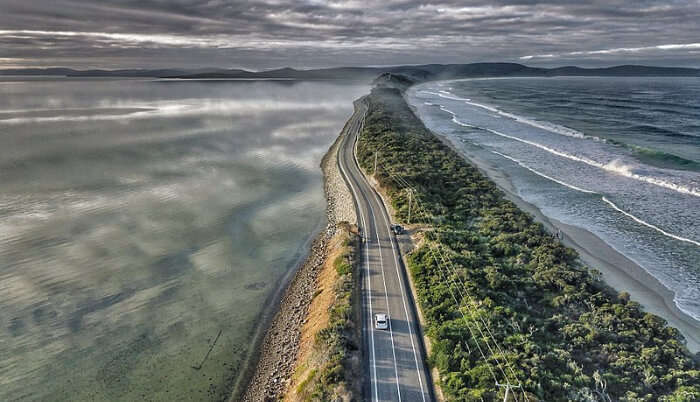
139 219
552 137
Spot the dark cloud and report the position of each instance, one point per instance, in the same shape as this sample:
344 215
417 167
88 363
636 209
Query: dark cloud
315 33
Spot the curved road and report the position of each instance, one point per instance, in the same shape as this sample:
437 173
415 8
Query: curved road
394 358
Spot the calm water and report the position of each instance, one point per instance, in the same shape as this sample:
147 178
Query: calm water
138 219
617 156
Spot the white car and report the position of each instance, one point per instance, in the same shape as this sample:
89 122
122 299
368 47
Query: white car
381 321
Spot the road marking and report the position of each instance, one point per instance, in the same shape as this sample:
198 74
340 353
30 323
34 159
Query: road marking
388 310
355 130
396 264
381 261
405 309
369 282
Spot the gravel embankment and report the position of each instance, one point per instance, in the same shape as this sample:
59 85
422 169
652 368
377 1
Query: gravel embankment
281 343
340 203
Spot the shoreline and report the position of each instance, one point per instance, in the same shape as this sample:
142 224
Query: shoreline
488 272
271 363
273 301
618 272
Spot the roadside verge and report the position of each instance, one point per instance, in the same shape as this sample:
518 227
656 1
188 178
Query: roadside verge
283 343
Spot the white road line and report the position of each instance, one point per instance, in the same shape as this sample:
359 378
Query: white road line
388 310
403 296
369 282
381 261
403 299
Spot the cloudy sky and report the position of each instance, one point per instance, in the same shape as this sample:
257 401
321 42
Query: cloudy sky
261 34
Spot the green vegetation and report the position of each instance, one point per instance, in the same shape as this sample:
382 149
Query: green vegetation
563 332
334 345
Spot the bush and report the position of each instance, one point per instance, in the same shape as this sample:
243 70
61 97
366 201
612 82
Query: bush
333 344
561 332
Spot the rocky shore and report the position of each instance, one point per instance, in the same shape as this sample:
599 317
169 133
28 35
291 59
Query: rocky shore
281 342
341 207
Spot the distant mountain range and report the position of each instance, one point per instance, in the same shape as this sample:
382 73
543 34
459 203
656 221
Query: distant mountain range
418 73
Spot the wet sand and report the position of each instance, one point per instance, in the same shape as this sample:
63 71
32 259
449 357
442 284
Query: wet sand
619 272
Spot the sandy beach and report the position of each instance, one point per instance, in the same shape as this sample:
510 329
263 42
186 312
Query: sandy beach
619 272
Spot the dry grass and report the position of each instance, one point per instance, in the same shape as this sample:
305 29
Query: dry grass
317 318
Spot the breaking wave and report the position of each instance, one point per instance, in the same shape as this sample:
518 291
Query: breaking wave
571 186
642 222
605 199
626 170
547 126
637 188
614 166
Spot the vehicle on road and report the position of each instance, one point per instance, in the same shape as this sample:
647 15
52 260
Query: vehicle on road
381 321
397 229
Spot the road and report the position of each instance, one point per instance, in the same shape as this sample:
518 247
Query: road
394 358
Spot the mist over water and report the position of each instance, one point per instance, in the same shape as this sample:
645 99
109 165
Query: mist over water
138 219
616 156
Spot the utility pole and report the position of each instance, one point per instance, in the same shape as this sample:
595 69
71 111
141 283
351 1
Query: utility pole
376 154
508 386
410 196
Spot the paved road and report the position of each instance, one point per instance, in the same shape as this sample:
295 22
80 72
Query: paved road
394 358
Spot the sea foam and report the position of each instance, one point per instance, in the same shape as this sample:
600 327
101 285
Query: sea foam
642 222
615 166
605 199
571 186
544 125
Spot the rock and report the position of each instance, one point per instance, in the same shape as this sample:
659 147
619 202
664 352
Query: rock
281 343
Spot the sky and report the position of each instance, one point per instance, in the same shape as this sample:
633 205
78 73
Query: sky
265 34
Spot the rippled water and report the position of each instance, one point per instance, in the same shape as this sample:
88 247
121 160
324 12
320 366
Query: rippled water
141 219
616 156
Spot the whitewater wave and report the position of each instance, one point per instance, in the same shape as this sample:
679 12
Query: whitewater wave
654 192
547 126
626 170
642 222
571 186
615 166
605 199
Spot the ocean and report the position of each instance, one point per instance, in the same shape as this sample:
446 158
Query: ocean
617 156
146 223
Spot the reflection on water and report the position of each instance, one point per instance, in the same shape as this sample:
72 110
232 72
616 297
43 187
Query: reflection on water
138 219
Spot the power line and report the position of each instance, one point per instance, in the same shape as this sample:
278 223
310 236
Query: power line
464 286
448 263
471 331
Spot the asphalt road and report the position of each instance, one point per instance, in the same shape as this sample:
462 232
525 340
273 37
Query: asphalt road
394 358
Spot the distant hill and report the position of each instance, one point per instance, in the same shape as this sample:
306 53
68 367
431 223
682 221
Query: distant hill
417 73
69 72
393 80
290 73
626 70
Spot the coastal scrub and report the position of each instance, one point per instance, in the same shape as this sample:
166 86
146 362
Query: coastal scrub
505 301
